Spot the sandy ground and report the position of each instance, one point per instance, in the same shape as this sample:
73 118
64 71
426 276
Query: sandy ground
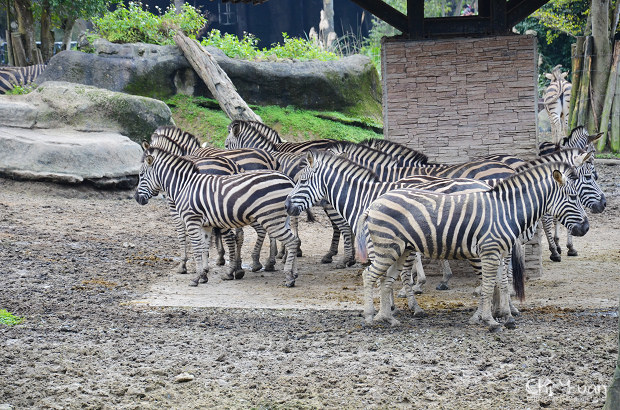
108 325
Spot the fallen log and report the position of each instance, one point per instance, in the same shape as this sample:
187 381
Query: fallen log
216 79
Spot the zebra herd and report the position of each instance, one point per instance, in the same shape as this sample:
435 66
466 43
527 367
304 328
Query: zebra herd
396 204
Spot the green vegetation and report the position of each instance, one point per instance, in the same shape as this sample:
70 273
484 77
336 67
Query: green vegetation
132 24
7 318
203 118
21 89
609 155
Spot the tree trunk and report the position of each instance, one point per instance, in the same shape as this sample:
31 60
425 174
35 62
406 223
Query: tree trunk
601 61
23 9
19 55
614 132
216 79
584 84
577 63
47 35
326 26
67 27
609 98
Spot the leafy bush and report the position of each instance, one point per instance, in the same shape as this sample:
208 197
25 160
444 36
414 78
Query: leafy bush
246 47
132 24
21 89
7 318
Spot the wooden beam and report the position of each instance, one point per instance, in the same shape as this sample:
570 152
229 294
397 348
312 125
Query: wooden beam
386 13
518 10
415 16
498 17
456 26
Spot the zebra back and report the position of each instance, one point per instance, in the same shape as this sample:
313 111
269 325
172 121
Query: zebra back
249 159
215 165
572 156
11 77
510 160
480 169
405 155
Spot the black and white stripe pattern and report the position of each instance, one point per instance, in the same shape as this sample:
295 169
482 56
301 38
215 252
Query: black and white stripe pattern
207 201
480 227
10 77
557 101
578 138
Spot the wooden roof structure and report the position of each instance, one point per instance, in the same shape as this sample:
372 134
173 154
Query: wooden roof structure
494 17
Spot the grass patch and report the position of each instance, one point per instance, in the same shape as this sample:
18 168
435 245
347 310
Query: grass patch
7 318
608 155
203 118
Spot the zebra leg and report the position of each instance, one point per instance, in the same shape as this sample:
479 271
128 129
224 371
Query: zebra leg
348 259
181 235
238 245
333 248
258 245
446 275
406 276
490 265
278 228
196 233
295 229
387 291
569 244
270 266
547 221
217 234
420 275
501 304
234 255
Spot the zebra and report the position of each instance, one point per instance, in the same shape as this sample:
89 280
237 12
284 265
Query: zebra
248 134
405 155
578 138
350 188
557 101
10 77
230 201
480 227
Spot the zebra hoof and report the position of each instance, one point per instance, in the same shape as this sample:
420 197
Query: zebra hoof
289 283
350 262
556 258
193 283
256 267
442 286
269 268
510 323
572 252
220 262
227 276
495 328
204 279
239 274
420 313
299 253
327 259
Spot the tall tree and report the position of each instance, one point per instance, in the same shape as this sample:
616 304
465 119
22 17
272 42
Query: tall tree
25 21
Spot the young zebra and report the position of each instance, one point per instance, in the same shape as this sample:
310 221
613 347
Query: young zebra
227 202
10 77
350 188
480 227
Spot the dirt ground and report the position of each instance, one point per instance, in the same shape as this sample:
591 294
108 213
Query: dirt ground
108 325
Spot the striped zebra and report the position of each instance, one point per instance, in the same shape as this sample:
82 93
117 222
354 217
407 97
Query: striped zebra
10 77
249 134
406 156
557 101
578 138
480 227
207 201
350 188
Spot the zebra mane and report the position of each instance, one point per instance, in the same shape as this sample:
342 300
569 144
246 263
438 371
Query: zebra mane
543 169
379 144
253 130
342 162
157 153
559 155
187 141
163 142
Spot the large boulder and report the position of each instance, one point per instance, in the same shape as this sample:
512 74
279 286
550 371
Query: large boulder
69 156
351 83
84 108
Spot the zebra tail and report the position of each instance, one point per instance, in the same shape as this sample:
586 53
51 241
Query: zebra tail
310 216
360 238
518 270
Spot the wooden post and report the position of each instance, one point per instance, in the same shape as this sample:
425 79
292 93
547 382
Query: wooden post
584 84
9 48
614 132
609 98
577 63
19 54
216 79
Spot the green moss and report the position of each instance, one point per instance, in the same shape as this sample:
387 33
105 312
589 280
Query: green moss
196 115
7 318
147 87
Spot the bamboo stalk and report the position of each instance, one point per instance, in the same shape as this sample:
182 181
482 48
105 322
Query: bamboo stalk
19 54
216 79
584 84
577 63
609 98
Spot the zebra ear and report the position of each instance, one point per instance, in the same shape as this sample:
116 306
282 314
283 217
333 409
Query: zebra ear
149 160
549 76
559 177
593 138
145 145
565 74
310 159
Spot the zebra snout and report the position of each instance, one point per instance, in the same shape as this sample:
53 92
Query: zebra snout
581 229
600 206
141 199
291 209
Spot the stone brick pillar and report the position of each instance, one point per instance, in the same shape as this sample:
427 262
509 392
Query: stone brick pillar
461 98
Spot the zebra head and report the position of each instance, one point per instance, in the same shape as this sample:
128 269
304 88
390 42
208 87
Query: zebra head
147 185
565 203
244 134
590 193
308 190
